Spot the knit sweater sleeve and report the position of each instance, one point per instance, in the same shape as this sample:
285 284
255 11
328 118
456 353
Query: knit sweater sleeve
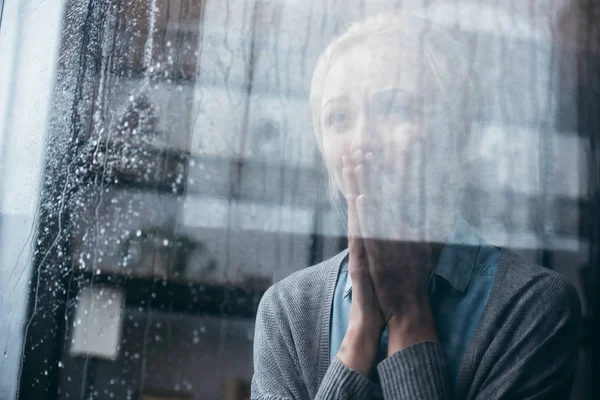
532 352
277 374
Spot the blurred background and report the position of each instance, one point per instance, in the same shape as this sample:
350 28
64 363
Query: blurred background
158 171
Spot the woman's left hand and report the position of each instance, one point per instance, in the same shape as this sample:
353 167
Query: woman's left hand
399 263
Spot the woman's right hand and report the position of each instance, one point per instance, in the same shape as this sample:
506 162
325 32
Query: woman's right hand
361 342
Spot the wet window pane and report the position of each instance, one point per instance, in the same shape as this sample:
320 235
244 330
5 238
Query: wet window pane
163 163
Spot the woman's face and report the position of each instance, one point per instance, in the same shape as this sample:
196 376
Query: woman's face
372 102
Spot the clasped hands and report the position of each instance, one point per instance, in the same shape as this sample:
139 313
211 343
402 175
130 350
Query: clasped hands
389 273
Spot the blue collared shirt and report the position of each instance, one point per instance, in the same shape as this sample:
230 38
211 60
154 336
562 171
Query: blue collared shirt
459 287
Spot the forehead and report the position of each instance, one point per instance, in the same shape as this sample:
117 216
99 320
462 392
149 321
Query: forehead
369 67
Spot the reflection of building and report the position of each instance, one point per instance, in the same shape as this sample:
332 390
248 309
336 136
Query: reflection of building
238 172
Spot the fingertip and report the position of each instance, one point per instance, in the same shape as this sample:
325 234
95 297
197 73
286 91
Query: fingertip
357 156
359 170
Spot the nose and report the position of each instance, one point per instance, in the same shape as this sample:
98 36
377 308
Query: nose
365 137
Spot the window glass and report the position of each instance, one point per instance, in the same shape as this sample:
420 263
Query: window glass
164 162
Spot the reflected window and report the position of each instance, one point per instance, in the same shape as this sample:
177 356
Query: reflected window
164 163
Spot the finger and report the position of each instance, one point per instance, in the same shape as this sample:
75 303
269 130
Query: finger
362 177
353 223
346 161
355 243
357 157
350 182
371 167
373 164
351 193
372 211
364 220
370 241
378 173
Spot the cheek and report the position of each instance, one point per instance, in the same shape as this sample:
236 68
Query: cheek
400 141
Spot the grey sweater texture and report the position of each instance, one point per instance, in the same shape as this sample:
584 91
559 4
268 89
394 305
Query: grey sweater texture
524 347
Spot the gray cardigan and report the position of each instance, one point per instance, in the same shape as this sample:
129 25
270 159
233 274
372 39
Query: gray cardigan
525 345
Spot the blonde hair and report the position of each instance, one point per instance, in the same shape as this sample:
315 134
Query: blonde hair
447 71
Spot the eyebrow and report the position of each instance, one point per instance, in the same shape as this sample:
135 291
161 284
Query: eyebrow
337 99
386 94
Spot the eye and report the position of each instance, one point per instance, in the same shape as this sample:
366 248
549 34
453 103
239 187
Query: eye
398 109
396 106
336 118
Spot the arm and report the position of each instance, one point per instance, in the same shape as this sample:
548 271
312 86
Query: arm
534 326
533 354
275 371
277 375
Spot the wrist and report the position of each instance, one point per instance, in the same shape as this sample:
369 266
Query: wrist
363 335
409 329
358 349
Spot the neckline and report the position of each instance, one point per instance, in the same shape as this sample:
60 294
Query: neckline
324 342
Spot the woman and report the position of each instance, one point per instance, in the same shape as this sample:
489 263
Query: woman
398 315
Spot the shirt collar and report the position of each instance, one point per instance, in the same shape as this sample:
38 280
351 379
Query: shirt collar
457 260
459 256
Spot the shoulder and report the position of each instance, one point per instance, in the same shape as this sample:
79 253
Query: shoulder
302 292
522 276
528 289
